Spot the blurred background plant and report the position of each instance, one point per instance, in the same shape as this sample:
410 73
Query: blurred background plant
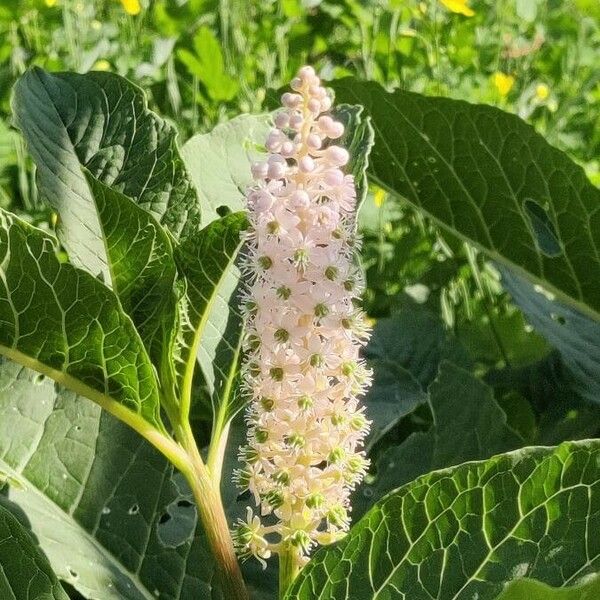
204 61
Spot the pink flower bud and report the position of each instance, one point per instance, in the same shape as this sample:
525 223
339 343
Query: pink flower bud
291 100
336 130
259 170
306 164
306 72
314 106
337 156
282 119
296 122
334 177
313 141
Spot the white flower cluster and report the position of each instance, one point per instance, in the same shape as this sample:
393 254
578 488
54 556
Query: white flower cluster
302 366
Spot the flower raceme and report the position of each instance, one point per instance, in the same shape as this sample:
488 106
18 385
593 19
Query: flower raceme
302 369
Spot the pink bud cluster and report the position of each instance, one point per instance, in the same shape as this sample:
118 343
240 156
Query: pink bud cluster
304 333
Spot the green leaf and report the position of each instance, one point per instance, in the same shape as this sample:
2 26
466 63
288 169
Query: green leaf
467 425
207 64
25 573
417 341
142 269
528 589
394 394
212 331
101 121
64 323
219 163
465 532
490 178
108 510
572 333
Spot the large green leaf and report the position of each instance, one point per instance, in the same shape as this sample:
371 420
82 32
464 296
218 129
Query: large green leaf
107 509
405 351
25 573
490 178
63 322
467 425
573 334
142 269
101 121
219 163
465 532
416 340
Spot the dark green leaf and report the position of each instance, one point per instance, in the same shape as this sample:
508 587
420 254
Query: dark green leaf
490 178
142 269
101 121
466 532
467 425
417 341
25 573
393 394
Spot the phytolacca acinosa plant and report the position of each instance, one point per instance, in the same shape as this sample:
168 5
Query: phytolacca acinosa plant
304 333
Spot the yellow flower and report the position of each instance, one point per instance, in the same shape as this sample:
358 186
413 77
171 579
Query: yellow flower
50 3
101 65
542 91
379 197
459 6
132 7
503 82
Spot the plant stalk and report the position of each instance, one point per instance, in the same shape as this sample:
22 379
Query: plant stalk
214 521
288 570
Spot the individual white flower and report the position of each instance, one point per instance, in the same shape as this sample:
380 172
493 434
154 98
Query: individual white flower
302 366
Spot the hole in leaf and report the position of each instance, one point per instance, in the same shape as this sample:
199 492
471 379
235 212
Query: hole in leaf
39 379
223 211
178 524
134 510
546 236
558 318
73 574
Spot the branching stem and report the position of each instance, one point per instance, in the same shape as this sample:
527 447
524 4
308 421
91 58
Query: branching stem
214 521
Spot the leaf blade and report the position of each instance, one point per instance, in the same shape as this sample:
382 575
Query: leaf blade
25 573
101 121
469 530
476 170
87 481
65 323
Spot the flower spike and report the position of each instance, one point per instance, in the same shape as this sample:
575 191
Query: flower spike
302 366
